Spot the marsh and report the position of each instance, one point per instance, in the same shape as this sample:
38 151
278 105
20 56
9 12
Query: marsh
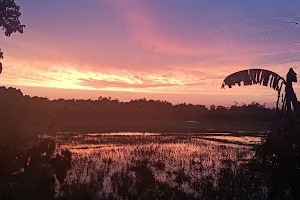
107 163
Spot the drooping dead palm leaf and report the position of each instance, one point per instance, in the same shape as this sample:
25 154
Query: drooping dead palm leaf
1 57
254 76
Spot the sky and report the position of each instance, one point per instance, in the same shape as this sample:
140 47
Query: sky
175 50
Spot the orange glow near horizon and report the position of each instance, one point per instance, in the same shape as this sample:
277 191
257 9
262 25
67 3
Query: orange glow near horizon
179 82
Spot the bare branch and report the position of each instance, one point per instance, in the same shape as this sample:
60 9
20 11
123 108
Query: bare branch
289 22
292 28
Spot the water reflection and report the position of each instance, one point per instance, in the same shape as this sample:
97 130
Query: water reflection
101 161
122 134
242 140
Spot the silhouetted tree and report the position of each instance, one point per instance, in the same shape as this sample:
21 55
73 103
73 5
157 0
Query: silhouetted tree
212 107
9 20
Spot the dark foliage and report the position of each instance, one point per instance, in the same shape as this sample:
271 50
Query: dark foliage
10 14
27 165
9 20
38 111
278 160
22 118
28 172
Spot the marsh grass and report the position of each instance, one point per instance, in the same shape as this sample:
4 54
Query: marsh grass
152 166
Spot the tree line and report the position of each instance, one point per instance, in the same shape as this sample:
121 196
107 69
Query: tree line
39 110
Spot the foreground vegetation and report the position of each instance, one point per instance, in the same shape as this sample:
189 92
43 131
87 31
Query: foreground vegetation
170 166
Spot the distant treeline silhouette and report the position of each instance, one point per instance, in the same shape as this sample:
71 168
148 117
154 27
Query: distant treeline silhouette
41 110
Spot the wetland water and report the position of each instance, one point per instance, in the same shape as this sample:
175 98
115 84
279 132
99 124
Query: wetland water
106 163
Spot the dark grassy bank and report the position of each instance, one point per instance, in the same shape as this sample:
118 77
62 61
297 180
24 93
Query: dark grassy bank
159 126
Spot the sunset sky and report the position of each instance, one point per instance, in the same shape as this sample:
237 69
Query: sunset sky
175 50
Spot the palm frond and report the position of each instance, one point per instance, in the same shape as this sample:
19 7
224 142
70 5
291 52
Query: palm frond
254 76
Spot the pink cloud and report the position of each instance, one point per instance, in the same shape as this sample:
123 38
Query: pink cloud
147 29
